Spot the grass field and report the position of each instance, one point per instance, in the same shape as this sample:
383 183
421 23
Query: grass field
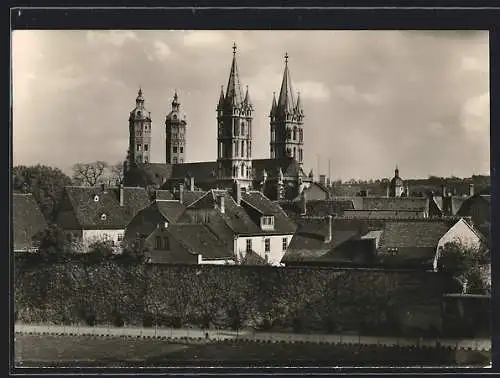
43 350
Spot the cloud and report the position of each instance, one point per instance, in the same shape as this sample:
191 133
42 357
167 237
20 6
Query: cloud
113 37
206 38
313 90
162 50
371 98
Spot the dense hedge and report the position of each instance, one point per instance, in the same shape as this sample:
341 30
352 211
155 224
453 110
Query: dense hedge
299 299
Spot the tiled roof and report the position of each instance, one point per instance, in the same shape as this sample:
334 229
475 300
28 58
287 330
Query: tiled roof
27 221
98 209
309 241
144 174
253 258
414 234
199 239
147 220
164 195
354 251
245 219
395 203
289 167
188 197
171 210
316 208
202 172
384 214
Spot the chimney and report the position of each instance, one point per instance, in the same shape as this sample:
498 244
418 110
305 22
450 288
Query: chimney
237 192
181 193
191 184
329 235
471 190
303 203
443 190
387 190
221 204
322 179
122 191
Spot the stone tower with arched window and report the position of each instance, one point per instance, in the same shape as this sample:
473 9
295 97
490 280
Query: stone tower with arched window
139 150
287 135
234 132
175 134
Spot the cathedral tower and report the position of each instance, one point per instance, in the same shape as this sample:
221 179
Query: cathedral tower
139 149
287 136
234 137
175 131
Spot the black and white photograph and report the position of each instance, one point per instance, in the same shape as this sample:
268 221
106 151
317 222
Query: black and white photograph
251 198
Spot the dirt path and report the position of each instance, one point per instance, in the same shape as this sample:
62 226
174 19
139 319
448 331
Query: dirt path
474 344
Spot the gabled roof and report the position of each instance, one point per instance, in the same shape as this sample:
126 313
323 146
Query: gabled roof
98 209
414 234
205 171
198 239
253 258
171 210
310 240
289 166
144 174
241 219
384 214
27 221
395 203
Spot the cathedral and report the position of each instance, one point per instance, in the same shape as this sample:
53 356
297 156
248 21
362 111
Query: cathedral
281 176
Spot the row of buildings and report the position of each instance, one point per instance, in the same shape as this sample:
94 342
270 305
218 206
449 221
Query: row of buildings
232 226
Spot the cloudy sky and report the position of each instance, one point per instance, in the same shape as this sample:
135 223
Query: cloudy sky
372 99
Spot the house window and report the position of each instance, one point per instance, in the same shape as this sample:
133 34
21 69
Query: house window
181 149
96 199
138 147
242 148
145 147
103 217
249 245
294 133
166 243
158 242
174 149
181 160
242 128
243 170
284 244
267 245
175 160
120 237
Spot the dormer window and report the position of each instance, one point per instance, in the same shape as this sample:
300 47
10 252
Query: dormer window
96 198
267 222
103 217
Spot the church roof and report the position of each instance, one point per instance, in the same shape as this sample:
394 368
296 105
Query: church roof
286 99
289 166
234 94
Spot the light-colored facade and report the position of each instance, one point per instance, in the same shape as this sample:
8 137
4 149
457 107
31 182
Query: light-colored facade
271 248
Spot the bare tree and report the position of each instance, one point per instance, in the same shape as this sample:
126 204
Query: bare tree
116 172
89 174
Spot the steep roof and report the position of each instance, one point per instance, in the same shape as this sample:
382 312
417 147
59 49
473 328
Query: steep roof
395 203
95 208
286 99
310 240
171 210
27 221
234 93
144 174
197 238
289 166
205 171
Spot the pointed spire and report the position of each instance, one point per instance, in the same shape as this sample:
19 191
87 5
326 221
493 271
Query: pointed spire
396 171
234 94
220 105
298 106
248 101
274 105
286 101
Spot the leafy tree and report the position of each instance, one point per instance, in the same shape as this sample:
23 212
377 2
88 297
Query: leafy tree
116 173
135 250
53 244
89 174
100 250
45 183
467 262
